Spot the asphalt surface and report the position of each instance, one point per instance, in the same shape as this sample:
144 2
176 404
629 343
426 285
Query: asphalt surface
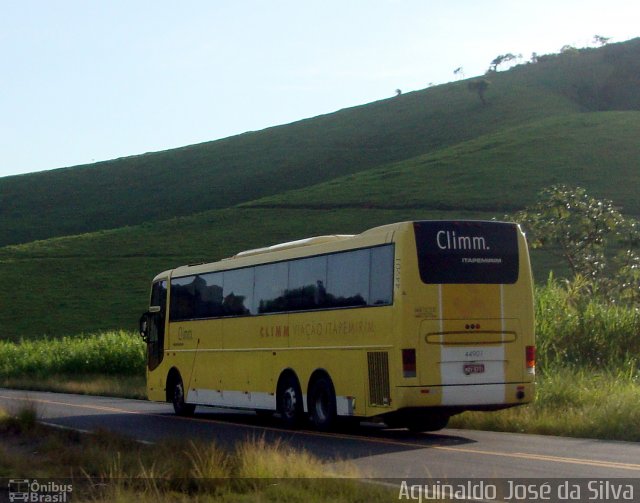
376 452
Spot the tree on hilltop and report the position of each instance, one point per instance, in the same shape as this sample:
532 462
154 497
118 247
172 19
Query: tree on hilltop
600 40
499 60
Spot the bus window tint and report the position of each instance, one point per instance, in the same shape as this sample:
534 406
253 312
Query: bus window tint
381 276
270 287
307 280
344 279
348 279
208 302
238 292
183 296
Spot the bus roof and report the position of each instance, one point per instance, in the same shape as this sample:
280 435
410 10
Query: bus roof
249 257
292 244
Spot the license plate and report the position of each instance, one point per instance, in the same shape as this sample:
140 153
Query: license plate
473 368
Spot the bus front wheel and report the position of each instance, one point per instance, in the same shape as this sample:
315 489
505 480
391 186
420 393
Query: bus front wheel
180 407
322 403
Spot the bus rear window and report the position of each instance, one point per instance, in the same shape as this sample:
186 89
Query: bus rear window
467 252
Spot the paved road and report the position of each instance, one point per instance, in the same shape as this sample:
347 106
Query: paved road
377 452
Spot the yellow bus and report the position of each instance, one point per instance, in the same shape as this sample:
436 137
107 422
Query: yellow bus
408 323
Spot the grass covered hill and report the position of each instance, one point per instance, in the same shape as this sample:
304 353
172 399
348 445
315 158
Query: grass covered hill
79 246
242 168
500 171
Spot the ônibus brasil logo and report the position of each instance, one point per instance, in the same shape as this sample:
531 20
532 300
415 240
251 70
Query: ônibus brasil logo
37 492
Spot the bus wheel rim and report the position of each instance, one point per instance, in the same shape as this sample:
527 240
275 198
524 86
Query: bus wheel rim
289 402
178 394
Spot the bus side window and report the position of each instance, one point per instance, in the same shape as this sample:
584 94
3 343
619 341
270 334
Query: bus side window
183 298
209 296
238 292
348 279
307 280
381 276
271 287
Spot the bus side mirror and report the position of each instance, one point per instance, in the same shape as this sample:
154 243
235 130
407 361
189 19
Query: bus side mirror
144 326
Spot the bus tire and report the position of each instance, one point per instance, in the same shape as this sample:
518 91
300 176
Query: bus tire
431 422
289 401
322 403
180 407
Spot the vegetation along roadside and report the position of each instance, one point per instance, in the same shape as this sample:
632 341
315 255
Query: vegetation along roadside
108 467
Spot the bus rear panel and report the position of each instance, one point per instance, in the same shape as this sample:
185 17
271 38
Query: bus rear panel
467 330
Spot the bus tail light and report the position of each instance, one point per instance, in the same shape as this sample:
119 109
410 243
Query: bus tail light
409 363
531 359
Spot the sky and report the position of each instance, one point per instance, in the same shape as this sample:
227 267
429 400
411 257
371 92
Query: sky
83 81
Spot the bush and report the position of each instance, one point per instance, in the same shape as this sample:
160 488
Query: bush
577 329
110 353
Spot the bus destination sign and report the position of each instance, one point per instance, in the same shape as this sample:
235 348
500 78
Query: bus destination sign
467 252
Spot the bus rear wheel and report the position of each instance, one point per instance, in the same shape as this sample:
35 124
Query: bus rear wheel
180 407
322 404
289 402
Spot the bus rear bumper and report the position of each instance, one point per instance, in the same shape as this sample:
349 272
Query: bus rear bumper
478 396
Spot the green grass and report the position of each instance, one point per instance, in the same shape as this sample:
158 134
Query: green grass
497 172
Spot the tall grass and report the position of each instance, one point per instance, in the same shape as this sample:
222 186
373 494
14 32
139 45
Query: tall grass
578 330
108 353
109 467
254 470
